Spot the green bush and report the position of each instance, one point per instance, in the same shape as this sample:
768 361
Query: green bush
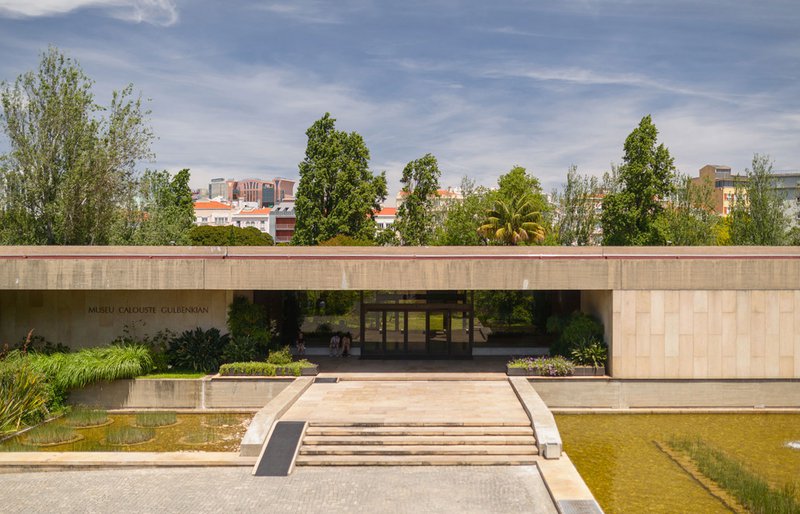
198 349
157 344
228 236
544 366
263 369
590 352
73 370
572 330
280 357
250 331
24 394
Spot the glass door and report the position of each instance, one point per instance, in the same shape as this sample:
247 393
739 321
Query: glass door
394 332
416 342
438 333
460 334
373 331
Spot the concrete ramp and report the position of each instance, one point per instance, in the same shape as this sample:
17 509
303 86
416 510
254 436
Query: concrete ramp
277 457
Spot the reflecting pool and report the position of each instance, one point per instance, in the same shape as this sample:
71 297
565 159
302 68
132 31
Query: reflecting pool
617 456
217 432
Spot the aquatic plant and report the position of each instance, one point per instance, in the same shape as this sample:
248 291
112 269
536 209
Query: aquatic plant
221 420
156 419
50 433
129 435
206 436
83 417
748 488
24 394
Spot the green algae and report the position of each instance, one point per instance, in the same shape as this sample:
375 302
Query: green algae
185 435
617 456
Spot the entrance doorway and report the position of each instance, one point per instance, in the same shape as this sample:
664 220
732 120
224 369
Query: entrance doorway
416 331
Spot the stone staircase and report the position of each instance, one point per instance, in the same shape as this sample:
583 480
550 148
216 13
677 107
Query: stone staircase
416 444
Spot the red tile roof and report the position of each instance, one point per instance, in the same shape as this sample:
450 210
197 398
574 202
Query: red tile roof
387 211
208 205
257 212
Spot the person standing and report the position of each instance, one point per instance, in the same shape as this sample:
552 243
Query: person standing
347 339
301 344
333 349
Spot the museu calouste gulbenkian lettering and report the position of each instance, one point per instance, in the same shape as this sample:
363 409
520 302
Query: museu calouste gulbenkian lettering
689 313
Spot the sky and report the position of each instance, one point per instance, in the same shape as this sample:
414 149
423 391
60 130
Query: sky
233 85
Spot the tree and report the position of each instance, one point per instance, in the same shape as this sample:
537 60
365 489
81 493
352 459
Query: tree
346 241
461 219
415 216
228 236
757 215
645 179
689 218
337 193
514 221
518 183
577 216
69 167
160 211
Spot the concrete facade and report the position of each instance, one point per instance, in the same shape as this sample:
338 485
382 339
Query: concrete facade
690 313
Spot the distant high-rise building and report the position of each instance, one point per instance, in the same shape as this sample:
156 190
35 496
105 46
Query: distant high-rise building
263 193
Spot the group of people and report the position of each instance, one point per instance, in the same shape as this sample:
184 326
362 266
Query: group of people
339 345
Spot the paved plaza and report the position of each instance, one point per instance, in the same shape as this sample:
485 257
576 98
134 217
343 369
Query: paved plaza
507 489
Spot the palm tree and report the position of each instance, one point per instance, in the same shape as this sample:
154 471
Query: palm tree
513 222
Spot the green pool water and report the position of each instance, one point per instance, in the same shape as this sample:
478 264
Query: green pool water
617 457
193 432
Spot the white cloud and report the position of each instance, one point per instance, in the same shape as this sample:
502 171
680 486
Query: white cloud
156 12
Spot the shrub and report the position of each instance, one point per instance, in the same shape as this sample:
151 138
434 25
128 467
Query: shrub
50 433
82 417
545 366
572 330
280 357
129 435
249 328
198 349
228 236
156 419
590 352
38 344
263 369
157 344
79 369
24 393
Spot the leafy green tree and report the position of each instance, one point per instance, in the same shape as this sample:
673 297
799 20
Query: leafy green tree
228 236
644 180
577 216
159 212
69 167
513 222
346 241
757 215
689 218
337 193
415 216
518 183
462 219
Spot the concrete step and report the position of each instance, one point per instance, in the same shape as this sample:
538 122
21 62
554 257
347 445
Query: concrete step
419 424
419 430
415 460
419 440
468 450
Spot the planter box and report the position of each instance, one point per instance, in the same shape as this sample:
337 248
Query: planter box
580 371
309 372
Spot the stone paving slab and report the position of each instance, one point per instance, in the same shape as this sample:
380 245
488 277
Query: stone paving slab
463 402
121 459
370 490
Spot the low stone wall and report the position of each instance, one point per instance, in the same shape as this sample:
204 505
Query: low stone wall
172 393
623 394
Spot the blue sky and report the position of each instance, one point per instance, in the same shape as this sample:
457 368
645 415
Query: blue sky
481 85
